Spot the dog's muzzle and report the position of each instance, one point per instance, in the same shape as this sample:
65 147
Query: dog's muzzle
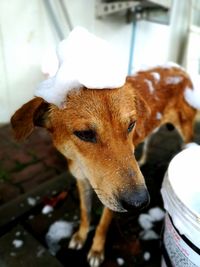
136 199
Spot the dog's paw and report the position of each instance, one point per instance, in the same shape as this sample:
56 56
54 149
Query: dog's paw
76 241
95 258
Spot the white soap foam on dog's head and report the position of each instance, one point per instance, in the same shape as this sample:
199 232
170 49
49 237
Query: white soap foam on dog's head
85 60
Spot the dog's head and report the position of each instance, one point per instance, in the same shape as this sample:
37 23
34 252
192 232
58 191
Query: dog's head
95 133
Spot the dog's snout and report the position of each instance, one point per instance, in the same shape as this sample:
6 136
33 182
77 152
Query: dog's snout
135 199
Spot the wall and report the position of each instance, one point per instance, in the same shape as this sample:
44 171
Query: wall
151 44
24 34
193 55
116 31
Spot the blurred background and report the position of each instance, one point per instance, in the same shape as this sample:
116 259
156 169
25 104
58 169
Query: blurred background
33 174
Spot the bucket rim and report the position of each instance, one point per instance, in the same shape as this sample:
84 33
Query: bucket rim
193 214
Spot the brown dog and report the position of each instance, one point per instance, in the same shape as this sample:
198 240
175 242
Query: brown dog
97 131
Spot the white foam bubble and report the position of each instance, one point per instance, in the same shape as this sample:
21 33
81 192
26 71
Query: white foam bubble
84 60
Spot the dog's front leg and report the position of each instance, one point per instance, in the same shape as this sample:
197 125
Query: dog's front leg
96 253
78 239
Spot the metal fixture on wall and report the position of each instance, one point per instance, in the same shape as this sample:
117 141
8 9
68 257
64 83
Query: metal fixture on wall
104 8
145 9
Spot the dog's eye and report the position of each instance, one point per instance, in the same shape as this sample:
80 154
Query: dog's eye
87 136
131 126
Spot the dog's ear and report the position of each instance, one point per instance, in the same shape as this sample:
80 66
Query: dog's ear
143 112
33 113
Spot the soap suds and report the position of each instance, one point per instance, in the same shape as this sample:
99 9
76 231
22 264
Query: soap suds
192 95
85 60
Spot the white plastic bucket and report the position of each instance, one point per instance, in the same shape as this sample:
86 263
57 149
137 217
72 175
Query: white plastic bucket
181 197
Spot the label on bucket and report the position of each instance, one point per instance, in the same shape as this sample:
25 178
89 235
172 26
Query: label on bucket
179 252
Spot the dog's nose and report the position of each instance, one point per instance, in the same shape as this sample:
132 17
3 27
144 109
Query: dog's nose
135 199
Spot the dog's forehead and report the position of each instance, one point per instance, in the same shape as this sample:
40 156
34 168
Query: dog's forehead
90 102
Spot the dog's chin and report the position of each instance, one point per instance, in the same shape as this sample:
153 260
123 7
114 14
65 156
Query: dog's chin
111 204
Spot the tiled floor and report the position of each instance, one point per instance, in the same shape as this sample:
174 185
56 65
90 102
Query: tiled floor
26 165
